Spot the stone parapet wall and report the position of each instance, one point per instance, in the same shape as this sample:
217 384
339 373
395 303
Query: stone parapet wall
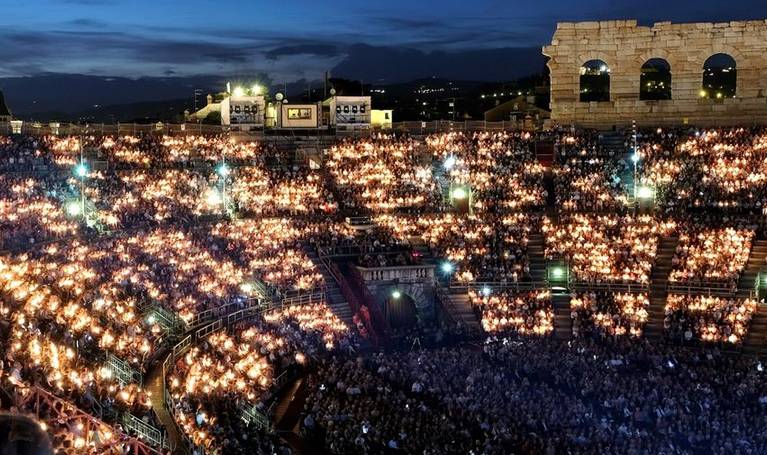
625 47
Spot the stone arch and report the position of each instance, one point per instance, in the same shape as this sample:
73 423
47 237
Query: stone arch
422 295
720 76
594 81
655 79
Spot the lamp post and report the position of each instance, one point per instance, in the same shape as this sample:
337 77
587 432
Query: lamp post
634 157
223 172
82 171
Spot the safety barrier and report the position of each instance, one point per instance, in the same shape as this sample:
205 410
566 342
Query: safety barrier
721 289
404 273
226 321
252 415
144 431
304 298
609 286
484 286
95 432
410 127
122 371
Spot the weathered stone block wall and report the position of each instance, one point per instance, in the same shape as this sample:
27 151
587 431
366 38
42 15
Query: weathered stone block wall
625 47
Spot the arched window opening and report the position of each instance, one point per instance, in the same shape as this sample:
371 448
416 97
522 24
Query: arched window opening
720 77
655 80
595 81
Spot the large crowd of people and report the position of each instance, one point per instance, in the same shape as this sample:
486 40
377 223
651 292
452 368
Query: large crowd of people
710 168
711 256
606 248
214 383
514 312
115 247
604 313
539 395
706 318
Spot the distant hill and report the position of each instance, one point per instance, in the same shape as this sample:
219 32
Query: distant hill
144 112
72 93
49 95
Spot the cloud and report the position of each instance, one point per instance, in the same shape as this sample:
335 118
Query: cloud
86 22
397 64
91 2
322 50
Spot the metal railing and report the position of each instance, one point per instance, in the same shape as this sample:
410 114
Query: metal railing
410 127
305 298
122 371
226 321
402 273
609 286
481 286
66 129
40 401
439 126
252 415
144 431
681 287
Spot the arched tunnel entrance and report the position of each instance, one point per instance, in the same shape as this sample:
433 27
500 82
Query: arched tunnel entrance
400 310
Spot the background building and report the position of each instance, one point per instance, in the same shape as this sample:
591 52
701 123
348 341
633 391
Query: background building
348 113
612 72
5 113
245 112
298 116
521 113
381 118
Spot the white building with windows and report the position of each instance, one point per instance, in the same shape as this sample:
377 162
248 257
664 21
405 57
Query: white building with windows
299 116
348 113
243 112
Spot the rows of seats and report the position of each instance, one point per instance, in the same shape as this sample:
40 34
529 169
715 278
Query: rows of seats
160 225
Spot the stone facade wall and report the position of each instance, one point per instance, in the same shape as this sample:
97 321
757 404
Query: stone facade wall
625 47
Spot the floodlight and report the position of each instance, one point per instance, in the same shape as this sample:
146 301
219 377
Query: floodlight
213 197
645 192
81 170
73 208
460 194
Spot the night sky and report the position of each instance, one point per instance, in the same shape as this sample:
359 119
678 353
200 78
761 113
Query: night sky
285 41
292 39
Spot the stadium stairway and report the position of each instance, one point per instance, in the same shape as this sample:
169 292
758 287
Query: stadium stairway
563 323
536 256
336 301
154 383
659 287
287 418
757 260
286 399
462 312
613 143
757 332
544 153
614 146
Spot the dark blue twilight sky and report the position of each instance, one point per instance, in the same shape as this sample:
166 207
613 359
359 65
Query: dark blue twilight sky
300 39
